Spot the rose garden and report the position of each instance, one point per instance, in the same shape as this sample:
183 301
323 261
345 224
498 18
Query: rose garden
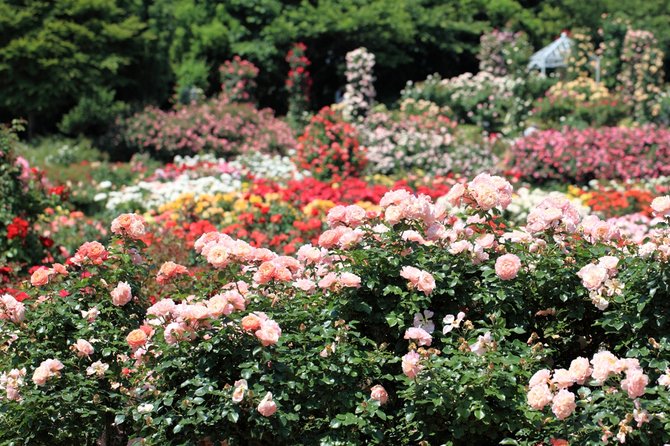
482 259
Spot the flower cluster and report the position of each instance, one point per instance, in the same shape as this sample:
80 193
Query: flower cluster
503 52
238 79
494 103
641 72
572 155
330 147
214 126
551 387
298 81
359 92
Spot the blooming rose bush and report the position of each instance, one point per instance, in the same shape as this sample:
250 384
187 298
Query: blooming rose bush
581 103
418 321
572 155
24 199
494 103
238 79
64 347
214 126
330 147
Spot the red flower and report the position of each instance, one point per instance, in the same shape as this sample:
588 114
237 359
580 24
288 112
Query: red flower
17 228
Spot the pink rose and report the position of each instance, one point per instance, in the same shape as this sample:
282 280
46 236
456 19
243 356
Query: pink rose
268 333
131 225
121 295
592 276
563 404
419 279
240 388
539 396
421 336
136 339
83 348
267 407
580 370
350 280
507 266
540 377
635 383
378 393
40 276
563 378
661 206
604 364
41 375
410 364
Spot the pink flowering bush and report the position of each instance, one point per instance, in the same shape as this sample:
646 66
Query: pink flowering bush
67 340
401 142
214 126
359 93
579 395
417 321
572 155
238 79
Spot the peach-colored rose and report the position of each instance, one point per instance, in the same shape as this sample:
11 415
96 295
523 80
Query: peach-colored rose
83 348
168 271
580 370
122 294
218 306
136 338
268 333
131 225
41 276
267 407
563 404
60 269
592 276
410 364
41 375
539 396
421 336
240 388
217 256
378 393
252 322
661 206
350 280
507 266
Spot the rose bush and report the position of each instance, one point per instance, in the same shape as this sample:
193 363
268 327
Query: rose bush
419 322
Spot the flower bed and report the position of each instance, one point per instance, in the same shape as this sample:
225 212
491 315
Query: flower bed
412 322
572 155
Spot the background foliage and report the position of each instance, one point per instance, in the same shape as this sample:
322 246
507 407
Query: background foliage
61 60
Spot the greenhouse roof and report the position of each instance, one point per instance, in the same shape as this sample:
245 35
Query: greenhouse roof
553 55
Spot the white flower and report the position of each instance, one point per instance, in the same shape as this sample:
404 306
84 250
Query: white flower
450 322
145 408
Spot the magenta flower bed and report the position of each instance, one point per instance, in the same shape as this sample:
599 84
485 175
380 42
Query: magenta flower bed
581 155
